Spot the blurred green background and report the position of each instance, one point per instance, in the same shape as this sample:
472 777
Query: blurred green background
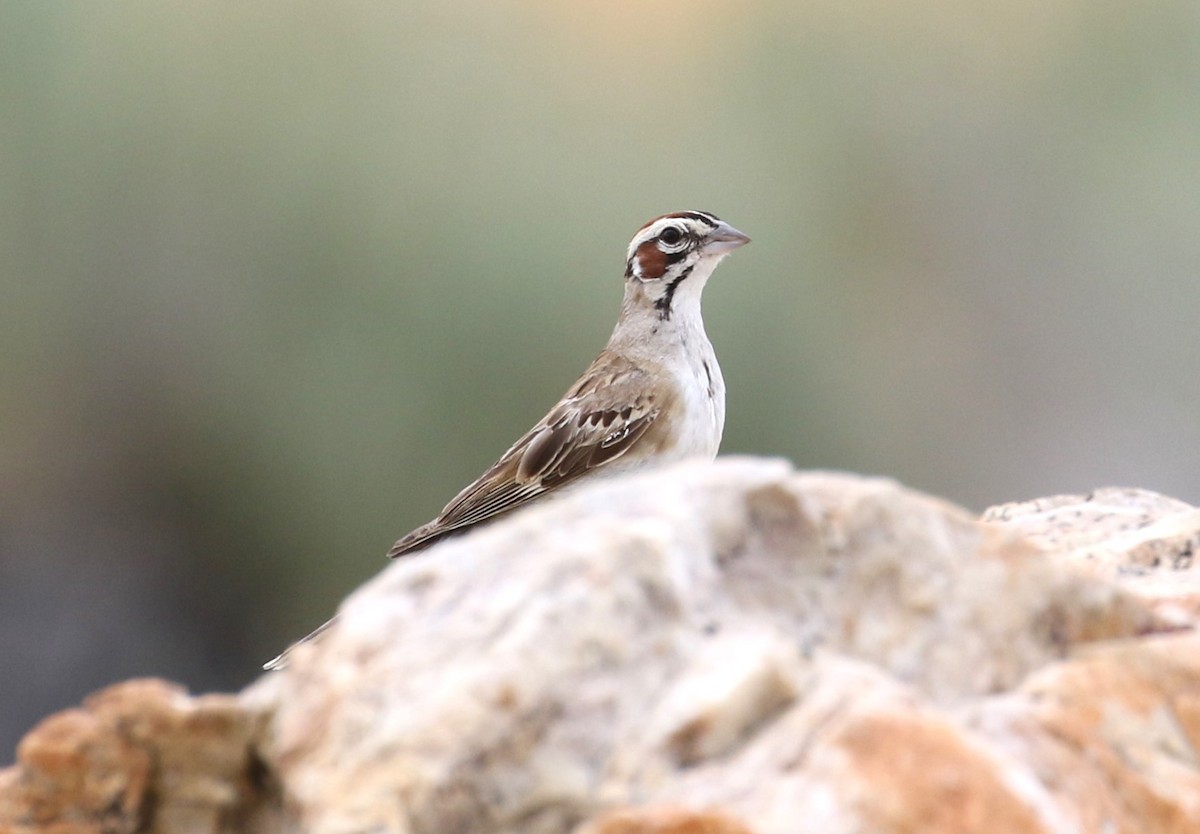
278 278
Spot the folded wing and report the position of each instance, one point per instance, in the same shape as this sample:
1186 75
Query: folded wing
598 421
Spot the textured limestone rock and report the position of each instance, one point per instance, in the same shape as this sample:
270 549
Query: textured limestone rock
1146 540
736 642
140 756
734 648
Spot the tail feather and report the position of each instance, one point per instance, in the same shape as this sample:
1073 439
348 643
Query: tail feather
419 539
281 661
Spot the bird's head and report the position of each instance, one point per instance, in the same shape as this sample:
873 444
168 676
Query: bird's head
676 251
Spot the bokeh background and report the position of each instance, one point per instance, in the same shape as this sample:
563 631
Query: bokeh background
277 278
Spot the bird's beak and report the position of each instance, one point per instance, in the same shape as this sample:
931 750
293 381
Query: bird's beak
724 239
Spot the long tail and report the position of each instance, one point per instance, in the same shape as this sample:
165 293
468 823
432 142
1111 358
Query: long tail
281 661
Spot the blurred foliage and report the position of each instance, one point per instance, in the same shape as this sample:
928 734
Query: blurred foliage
279 278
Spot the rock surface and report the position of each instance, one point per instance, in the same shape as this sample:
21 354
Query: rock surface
731 648
140 756
1146 540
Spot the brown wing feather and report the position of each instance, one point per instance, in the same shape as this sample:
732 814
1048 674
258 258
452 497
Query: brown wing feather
600 419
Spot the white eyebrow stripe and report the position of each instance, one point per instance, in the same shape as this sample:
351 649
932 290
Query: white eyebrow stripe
653 229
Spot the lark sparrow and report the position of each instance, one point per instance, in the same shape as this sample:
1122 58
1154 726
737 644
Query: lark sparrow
654 394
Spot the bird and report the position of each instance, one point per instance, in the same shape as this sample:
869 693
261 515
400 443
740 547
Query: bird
654 395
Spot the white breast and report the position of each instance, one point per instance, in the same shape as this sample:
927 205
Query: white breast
703 415
700 411
677 344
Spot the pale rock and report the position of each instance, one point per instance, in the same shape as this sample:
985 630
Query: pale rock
728 648
1146 540
654 638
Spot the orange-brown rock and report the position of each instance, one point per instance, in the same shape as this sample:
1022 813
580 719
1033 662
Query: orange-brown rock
140 756
665 821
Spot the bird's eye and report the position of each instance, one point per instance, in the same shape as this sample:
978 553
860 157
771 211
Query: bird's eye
671 235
